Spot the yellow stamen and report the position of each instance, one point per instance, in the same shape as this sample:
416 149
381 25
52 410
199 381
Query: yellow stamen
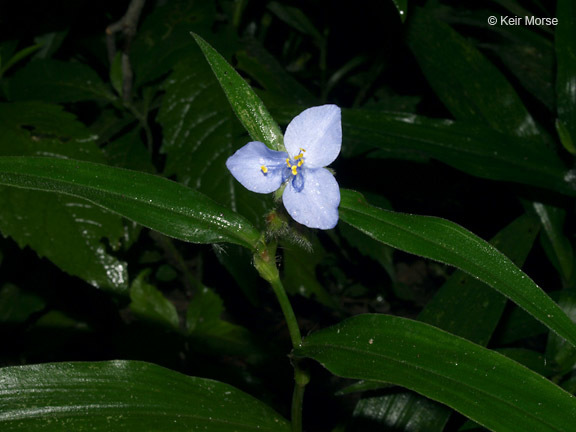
294 170
300 163
264 169
300 156
288 162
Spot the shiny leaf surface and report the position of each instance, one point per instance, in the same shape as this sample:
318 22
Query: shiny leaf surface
500 394
200 133
463 306
152 201
125 396
66 230
449 243
250 110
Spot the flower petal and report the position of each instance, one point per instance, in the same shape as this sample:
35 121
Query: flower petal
316 205
318 130
246 167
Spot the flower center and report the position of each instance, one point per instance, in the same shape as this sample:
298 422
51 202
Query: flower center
296 163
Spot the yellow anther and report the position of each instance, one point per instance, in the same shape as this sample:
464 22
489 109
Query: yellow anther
264 169
294 170
300 163
300 156
302 150
288 162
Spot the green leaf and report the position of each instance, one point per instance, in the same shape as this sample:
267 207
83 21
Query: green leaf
562 354
564 34
250 110
57 81
554 241
155 202
16 305
471 87
447 242
20 55
125 396
477 150
279 87
205 325
467 307
149 304
402 6
296 19
463 306
164 39
483 385
200 132
66 230
299 276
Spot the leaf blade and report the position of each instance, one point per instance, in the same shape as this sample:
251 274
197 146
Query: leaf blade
250 110
152 201
124 396
502 395
449 243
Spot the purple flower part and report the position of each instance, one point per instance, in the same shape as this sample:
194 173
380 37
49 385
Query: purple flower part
258 168
317 130
316 205
313 140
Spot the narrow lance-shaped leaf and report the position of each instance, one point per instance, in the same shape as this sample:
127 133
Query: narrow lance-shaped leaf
449 243
155 202
485 386
250 110
125 396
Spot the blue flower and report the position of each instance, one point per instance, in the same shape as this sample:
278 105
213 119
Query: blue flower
313 140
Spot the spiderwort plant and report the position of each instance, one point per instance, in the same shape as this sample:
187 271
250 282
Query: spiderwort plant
313 140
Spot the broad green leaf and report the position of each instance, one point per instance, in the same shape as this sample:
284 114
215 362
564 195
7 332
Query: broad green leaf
66 230
155 202
471 87
200 132
485 386
57 81
125 396
477 150
565 34
205 325
149 303
463 306
16 305
466 306
250 110
447 242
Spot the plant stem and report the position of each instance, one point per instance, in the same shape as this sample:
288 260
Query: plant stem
265 263
288 312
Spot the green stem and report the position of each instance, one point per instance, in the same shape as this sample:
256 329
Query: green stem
288 312
265 263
